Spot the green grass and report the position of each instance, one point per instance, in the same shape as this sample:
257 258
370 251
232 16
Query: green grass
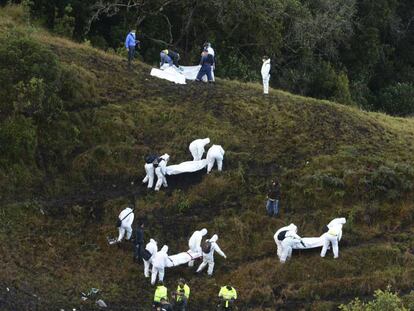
332 160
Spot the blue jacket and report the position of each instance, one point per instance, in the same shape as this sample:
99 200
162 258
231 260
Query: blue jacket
130 40
165 59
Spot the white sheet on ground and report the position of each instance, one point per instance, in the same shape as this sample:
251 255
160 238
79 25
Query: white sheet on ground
310 243
183 258
169 74
190 72
186 167
176 74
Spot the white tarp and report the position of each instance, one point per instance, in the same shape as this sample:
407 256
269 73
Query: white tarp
183 258
190 72
176 74
310 243
169 74
186 167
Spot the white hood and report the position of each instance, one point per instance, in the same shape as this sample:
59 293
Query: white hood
203 232
152 241
206 141
164 249
165 157
292 227
213 239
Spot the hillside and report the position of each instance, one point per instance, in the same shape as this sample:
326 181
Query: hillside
62 193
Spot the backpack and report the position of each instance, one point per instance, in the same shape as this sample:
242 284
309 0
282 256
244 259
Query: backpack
206 247
145 254
282 235
151 158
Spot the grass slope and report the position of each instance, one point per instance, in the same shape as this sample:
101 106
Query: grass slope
332 160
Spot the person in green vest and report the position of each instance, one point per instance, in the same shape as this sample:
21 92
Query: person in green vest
160 292
227 296
181 296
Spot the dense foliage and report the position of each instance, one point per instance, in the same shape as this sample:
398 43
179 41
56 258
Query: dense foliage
353 51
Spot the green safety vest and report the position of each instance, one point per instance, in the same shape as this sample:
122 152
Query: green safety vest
228 294
160 292
186 292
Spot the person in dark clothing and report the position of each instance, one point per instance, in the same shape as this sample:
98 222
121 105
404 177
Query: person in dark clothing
174 56
165 305
207 60
273 198
139 241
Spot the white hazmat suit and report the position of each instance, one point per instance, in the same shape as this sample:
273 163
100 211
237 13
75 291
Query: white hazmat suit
288 243
208 258
195 243
333 236
197 148
278 242
161 171
126 225
266 75
215 154
159 262
149 177
152 248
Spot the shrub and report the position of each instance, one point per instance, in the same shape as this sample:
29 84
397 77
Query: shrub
397 99
30 78
65 25
383 301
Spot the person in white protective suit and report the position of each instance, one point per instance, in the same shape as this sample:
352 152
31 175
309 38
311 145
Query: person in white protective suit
333 236
290 239
161 171
159 262
126 217
280 236
197 148
149 170
208 258
266 74
152 248
194 243
215 154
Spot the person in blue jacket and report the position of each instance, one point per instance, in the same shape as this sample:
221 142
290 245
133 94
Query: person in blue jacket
130 44
207 61
165 58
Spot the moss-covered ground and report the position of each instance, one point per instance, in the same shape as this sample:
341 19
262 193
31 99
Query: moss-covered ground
332 160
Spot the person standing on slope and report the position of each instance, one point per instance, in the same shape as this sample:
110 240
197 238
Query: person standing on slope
149 170
273 198
150 250
209 247
139 241
207 61
197 148
210 50
333 236
215 154
159 262
161 171
130 44
266 74
195 243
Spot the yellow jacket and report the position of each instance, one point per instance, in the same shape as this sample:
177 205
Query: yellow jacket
160 292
